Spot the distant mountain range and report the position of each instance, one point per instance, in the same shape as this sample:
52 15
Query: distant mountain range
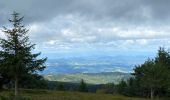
93 69
91 78
92 64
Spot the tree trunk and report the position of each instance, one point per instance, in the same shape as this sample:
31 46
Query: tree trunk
152 93
16 86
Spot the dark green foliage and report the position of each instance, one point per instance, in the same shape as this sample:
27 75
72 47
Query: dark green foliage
153 75
54 85
121 87
33 81
133 88
61 87
16 58
83 86
4 79
106 88
150 79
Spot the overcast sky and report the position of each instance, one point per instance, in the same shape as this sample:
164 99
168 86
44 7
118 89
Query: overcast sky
93 26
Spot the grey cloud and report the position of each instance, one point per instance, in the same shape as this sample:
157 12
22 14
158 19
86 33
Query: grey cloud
78 30
91 21
124 11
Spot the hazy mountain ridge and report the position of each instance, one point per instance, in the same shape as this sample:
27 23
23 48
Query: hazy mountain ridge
93 69
95 64
91 78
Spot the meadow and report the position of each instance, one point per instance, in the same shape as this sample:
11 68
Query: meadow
62 95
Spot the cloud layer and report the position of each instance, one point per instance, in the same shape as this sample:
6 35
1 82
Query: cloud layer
93 25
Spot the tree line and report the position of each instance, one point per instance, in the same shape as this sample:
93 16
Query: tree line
150 79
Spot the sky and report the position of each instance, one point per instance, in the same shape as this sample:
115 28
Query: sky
93 27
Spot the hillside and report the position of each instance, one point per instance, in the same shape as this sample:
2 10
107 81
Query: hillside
91 78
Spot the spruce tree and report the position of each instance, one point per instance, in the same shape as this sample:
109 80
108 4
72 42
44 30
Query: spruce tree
153 75
16 57
83 86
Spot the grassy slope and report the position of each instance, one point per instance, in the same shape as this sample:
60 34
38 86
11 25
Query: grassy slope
55 95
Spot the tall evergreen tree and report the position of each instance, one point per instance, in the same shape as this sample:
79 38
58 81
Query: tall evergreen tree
153 75
83 86
16 58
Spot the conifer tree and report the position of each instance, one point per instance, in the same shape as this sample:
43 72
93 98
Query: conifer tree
83 86
16 57
154 74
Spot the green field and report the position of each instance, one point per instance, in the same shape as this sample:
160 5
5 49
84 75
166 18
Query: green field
91 78
55 95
